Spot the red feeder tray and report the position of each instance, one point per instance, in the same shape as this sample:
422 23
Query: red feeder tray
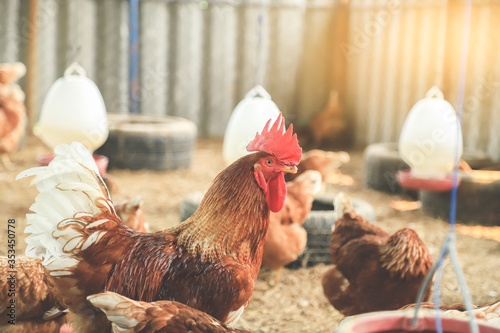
401 322
100 160
406 180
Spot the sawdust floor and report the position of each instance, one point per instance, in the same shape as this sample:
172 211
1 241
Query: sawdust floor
297 303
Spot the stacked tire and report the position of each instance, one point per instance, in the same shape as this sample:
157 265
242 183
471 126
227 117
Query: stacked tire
476 202
149 142
319 225
382 162
477 193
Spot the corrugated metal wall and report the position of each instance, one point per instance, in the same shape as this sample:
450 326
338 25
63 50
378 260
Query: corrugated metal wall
398 50
199 58
395 53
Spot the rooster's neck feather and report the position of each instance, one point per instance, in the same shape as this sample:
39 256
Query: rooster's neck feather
232 218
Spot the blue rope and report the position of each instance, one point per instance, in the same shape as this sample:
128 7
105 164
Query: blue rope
260 36
437 282
453 204
449 246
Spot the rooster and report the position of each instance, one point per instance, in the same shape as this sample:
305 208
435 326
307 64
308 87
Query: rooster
128 315
12 110
209 262
286 238
372 270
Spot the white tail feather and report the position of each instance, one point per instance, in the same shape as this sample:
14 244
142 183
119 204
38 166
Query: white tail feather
342 205
71 192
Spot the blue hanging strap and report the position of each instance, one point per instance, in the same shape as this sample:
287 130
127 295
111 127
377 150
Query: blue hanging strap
260 37
449 246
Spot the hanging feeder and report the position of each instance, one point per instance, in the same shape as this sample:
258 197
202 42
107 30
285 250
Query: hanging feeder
73 110
249 117
428 143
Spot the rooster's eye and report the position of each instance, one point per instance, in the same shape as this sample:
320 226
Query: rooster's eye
269 162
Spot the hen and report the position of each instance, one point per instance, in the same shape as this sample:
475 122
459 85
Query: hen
327 163
12 110
130 212
372 270
329 125
286 238
209 262
36 302
128 315
38 308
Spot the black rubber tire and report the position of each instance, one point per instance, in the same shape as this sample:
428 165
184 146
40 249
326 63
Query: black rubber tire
319 229
319 232
382 162
477 200
189 205
148 142
476 159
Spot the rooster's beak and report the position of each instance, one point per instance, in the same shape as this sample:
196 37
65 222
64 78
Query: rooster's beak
289 169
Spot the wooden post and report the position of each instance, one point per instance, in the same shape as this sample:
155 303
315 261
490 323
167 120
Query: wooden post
32 68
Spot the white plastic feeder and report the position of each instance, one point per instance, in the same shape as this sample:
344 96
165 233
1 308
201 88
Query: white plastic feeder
249 117
73 110
431 140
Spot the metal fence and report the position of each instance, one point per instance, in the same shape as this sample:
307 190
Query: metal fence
399 51
199 58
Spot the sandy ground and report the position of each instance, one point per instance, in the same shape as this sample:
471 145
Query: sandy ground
297 303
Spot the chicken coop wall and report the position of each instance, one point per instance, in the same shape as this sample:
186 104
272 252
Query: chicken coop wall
198 59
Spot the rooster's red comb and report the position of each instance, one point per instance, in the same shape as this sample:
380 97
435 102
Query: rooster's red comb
273 141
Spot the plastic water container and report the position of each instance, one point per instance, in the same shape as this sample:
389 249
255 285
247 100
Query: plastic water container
431 137
248 118
73 110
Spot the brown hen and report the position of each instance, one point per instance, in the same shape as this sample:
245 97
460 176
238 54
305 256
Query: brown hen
286 238
130 212
327 163
12 110
329 125
372 270
36 306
